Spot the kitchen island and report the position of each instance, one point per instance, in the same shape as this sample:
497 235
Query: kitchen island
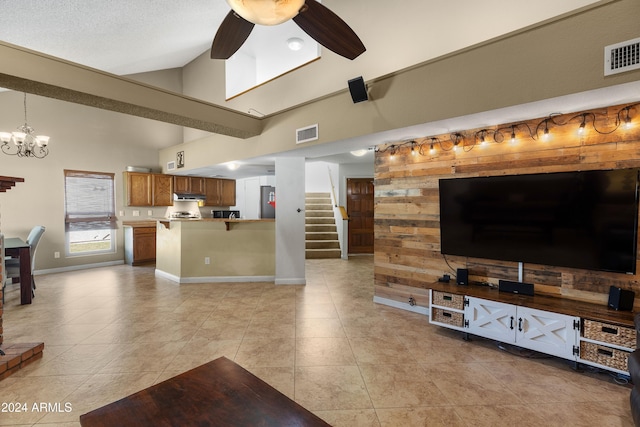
216 250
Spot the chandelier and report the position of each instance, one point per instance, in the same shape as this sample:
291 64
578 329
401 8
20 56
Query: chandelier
25 143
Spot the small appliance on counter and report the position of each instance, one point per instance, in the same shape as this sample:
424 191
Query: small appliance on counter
225 214
184 214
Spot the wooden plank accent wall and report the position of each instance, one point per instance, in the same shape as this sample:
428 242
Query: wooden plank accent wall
407 224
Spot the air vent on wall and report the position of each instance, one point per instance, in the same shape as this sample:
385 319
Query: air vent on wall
309 133
621 57
171 166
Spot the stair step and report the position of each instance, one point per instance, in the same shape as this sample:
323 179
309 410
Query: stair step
326 228
322 253
318 207
312 213
322 244
319 195
320 236
319 220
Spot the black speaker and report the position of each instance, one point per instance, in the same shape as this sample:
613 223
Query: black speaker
515 287
358 90
462 276
621 299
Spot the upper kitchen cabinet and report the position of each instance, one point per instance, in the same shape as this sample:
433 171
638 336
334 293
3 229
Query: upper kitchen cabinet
162 189
219 192
138 189
188 184
148 189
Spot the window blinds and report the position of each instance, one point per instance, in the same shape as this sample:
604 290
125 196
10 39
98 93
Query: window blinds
89 200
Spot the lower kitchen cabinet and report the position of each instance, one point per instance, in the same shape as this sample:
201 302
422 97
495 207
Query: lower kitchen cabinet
139 244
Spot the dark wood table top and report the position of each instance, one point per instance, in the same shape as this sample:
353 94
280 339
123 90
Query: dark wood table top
14 243
219 393
592 311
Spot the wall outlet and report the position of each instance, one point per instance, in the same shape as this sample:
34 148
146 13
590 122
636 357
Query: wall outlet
56 254
136 213
149 212
121 213
207 260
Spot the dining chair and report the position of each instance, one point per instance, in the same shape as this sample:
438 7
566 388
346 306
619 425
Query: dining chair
12 265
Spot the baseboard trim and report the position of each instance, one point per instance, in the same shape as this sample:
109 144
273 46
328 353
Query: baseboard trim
78 267
401 305
213 279
301 281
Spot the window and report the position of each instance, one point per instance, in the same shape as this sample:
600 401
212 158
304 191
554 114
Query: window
90 219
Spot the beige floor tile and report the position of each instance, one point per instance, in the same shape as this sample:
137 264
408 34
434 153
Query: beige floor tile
324 351
420 417
350 418
401 386
110 332
319 328
319 388
266 352
380 351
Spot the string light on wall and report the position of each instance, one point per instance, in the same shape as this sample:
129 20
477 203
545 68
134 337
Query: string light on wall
517 132
25 142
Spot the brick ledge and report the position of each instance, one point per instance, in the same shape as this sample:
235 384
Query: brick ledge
17 356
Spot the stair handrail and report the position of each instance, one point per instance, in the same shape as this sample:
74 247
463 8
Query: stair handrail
343 210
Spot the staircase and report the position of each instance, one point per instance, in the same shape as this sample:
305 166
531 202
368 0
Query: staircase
320 226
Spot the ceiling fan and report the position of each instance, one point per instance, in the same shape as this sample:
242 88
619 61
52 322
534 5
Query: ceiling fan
318 21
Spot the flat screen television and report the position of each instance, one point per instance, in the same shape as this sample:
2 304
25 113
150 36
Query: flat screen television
586 219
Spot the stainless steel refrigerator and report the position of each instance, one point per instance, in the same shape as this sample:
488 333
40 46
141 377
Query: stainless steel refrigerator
267 201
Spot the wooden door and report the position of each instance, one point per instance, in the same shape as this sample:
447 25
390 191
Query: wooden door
360 211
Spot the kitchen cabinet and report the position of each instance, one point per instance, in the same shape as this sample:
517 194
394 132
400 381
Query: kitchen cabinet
138 188
219 192
162 189
139 244
189 184
148 189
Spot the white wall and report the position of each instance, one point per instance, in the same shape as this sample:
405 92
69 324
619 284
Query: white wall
290 216
82 138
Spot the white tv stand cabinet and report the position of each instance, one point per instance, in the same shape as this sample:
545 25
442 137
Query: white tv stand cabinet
581 332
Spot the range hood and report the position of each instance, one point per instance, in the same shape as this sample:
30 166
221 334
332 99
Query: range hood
188 197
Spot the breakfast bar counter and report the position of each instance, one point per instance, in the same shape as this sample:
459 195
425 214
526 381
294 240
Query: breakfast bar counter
216 250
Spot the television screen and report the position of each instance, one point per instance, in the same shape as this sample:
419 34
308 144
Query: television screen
584 219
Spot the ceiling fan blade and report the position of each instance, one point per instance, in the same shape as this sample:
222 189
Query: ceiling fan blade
233 32
329 30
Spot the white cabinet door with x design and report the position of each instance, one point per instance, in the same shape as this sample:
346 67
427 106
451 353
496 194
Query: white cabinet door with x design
547 332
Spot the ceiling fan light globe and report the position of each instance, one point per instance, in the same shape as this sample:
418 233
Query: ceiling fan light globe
266 12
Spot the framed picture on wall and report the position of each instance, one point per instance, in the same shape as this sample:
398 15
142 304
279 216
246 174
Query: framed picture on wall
180 159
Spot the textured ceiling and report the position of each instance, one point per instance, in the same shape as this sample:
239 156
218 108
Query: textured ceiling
120 37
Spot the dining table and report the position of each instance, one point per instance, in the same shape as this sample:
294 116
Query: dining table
15 247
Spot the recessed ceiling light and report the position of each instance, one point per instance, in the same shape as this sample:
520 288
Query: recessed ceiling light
295 43
233 166
359 153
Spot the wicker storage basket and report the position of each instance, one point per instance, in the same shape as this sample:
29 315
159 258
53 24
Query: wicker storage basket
447 317
445 299
605 356
607 333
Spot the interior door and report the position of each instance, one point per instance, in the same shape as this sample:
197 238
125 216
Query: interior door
360 211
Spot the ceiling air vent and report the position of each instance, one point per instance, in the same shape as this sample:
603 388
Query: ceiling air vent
621 57
310 133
